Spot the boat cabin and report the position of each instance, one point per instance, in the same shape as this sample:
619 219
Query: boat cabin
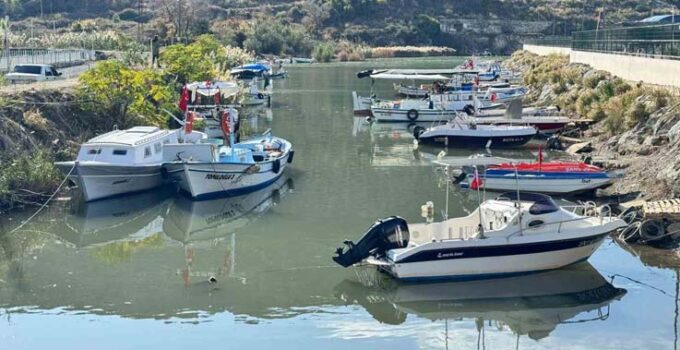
138 145
499 217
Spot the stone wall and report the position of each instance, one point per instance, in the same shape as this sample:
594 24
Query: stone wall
635 68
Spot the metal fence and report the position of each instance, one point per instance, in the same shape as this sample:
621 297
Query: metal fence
555 41
58 57
661 41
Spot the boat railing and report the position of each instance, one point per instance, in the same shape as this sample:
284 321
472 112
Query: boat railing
589 213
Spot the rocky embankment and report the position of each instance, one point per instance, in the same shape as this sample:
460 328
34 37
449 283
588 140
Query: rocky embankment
637 127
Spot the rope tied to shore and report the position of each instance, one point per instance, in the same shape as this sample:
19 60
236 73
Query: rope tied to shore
46 202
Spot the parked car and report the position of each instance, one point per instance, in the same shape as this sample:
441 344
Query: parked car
25 73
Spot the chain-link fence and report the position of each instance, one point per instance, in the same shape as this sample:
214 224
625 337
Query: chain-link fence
58 57
661 41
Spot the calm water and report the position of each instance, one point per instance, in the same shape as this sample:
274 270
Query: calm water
132 273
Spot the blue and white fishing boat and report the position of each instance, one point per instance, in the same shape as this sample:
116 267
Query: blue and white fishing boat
512 234
206 170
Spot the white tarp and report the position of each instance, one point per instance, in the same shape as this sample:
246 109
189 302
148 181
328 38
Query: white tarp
226 88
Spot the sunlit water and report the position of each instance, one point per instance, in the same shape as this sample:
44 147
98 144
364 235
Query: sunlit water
133 272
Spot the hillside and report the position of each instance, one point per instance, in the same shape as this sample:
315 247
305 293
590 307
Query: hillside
371 22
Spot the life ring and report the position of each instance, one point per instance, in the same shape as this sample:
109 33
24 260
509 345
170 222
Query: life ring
652 230
291 154
224 123
417 131
412 114
469 109
276 166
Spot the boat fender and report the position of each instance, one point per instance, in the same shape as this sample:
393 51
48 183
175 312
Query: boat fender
651 230
412 114
291 154
164 173
276 166
469 109
417 131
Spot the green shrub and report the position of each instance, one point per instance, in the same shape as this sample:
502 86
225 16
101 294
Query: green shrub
324 52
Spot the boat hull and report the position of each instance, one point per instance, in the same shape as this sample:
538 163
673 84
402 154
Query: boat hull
463 141
97 181
546 185
210 180
496 261
401 115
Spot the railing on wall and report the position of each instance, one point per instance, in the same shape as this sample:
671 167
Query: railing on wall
59 57
554 41
659 41
662 41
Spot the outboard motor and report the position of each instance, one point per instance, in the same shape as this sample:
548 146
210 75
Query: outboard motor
385 234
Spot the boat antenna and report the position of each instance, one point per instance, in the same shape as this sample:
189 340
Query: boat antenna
479 204
447 176
519 203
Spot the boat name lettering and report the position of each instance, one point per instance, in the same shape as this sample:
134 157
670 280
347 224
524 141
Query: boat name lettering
212 176
588 242
512 139
449 255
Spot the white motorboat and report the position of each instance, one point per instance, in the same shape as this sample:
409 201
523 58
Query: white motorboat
122 161
207 170
462 132
546 120
544 177
510 235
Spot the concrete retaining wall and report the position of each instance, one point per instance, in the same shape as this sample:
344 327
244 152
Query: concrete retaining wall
649 70
547 50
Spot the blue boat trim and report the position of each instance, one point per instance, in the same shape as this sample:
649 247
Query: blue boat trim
480 276
237 192
500 250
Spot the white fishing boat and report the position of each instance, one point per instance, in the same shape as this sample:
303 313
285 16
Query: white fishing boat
209 100
516 233
123 161
463 132
546 120
410 110
206 170
254 96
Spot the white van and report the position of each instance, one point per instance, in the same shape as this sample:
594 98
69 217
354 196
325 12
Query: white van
26 73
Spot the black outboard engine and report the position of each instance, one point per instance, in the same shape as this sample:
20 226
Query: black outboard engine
385 234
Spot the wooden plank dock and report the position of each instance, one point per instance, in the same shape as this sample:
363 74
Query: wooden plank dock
668 209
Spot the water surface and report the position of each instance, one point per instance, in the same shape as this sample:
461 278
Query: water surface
133 272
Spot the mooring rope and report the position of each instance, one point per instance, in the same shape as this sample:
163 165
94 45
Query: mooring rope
46 202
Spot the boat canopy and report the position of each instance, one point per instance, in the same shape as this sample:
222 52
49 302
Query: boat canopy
542 204
392 76
208 88
257 67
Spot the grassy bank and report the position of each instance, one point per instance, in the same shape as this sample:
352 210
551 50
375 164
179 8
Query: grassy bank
345 51
588 93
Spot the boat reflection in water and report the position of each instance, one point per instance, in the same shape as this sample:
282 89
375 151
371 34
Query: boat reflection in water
532 305
129 217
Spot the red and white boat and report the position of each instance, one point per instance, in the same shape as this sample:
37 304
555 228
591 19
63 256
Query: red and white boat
545 177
